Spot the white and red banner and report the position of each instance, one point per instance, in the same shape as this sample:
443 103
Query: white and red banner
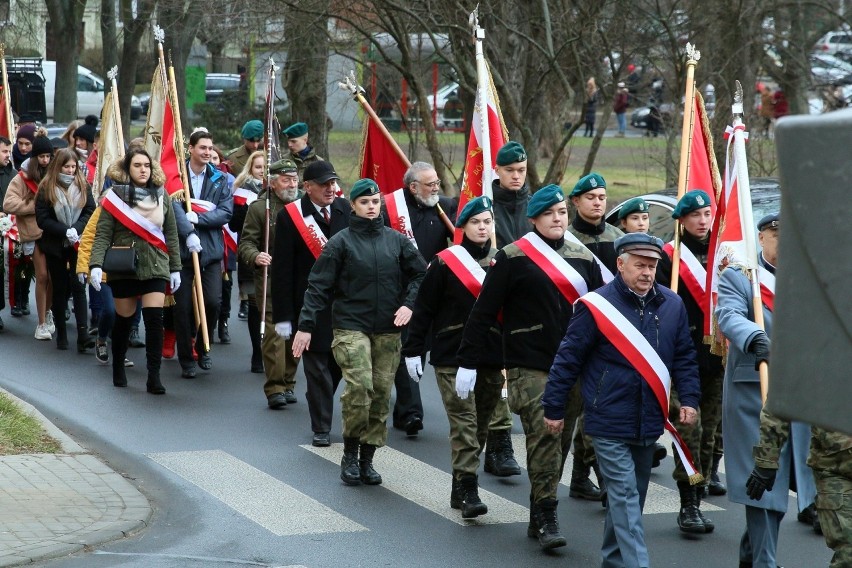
399 217
136 223
464 267
201 206
693 275
605 272
767 288
308 227
567 280
634 347
243 196
380 161
110 143
231 238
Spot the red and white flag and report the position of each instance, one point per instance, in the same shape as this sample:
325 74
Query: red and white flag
380 160
160 131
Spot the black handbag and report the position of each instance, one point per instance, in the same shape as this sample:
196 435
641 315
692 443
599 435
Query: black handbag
120 260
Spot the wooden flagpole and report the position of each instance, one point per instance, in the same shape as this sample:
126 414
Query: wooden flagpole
270 110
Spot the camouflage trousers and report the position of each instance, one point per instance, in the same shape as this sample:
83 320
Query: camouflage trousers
545 451
368 363
834 507
700 438
501 419
469 418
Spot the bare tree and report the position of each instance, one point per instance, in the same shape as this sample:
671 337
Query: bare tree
180 20
66 19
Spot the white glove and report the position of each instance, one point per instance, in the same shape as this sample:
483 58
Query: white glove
81 277
193 243
174 281
415 368
284 329
95 278
192 217
71 235
465 381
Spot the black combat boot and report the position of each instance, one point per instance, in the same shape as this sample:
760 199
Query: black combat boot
349 473
699 495
660 454
688 519
84 340
471 505
369 476
224 333
716 487
153 318
532 527
499 455
601 483
581 486
455 494
548 525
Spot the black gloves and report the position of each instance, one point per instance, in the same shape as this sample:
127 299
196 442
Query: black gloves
759 346
760 480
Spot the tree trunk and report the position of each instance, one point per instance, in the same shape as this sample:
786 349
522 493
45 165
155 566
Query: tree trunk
109 37
180 23
596 141
134 28
66 19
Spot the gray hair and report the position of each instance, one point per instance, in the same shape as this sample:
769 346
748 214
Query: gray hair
412 171
273 177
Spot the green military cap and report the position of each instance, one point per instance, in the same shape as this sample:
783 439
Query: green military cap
252 130
474 207
691 201
510 153
295 130
285 166
363 187
588 183
544 199
635 205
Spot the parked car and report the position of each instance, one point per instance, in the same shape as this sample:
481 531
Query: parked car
765 199
830 70
838 43
217 83
90 92
144 101
450 112
641 117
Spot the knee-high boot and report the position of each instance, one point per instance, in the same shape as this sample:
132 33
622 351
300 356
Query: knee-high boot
153 318
120 339
254 335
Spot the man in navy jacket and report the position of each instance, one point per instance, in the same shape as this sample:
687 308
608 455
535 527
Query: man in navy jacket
623 416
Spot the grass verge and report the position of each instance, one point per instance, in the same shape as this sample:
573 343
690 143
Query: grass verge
20 433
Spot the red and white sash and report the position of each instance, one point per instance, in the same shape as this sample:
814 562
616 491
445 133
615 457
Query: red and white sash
767 287
135 223
243 196
569 282
634 347
605 272
231 238
694 276
464 267
201 206
400 218
308 227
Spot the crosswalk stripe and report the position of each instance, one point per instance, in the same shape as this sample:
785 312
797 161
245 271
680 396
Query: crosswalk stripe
274 505
660 499
429 487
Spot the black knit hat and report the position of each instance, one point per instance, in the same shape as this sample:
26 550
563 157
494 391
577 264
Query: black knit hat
88 131
41 145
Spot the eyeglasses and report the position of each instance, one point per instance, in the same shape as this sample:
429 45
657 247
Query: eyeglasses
432 184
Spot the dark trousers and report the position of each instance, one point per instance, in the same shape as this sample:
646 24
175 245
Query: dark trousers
408 405
64 282
185 329
227 287
322 375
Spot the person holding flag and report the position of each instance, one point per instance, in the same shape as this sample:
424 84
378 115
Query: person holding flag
627 343
693 211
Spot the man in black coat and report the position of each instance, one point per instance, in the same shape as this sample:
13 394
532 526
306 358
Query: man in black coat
297 245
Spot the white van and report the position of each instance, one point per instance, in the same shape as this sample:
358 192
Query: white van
90 92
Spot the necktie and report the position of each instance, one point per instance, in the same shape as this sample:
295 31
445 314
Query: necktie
325 214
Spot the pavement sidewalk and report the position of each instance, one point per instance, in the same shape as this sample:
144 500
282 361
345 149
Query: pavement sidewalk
53 505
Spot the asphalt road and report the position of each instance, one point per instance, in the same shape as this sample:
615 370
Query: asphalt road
235 484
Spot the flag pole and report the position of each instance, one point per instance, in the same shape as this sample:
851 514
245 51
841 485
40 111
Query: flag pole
184 178
270 110
482 86
748 227
692 57
7 100
357 91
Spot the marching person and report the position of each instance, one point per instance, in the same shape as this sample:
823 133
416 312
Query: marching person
303 229
693 211
363 266
137 212
212 205
449 289
252 134
534 282
413 211
630 319
301 152
741 405
63 206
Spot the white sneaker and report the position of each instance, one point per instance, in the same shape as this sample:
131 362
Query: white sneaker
42 333
49 324
128 362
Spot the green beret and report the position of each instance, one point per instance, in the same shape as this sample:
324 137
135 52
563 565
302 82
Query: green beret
363 187
588 183
691 200
635 205
510 153
544 199
472 208
295 130
252 130
285 166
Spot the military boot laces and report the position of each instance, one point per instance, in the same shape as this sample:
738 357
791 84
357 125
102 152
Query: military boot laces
689 519
369 476
548 525
349 472
471 505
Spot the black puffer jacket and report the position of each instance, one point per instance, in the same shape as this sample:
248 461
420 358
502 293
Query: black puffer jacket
365 267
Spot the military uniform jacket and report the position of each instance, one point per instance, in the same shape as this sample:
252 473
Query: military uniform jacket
441 311
741 402
510 213
707 362
364 267
535 313
302 159
600 239
292 264
238 158
430 232
252 240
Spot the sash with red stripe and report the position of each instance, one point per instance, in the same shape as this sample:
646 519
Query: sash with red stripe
231 238
767 288
33 186
398 214
636 349
308 228
464 267
134 222
569 282
605 272
201 206
693 275
243 196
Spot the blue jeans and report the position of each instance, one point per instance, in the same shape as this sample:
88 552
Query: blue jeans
621 118
626 469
